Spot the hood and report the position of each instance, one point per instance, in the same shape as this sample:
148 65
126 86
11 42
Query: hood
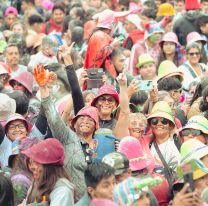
192 15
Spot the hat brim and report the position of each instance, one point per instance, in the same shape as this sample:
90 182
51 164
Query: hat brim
161 114
11 82
180 74
195 126
138 165
143 63
115 96
120 171
166 40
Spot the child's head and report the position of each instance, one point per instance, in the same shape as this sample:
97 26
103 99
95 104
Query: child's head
100 180
50 45
147 67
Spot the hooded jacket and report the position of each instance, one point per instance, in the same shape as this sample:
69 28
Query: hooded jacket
187 20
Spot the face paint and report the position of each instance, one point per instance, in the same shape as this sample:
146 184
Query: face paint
155 38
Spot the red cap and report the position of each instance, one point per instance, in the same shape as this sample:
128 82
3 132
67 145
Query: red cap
49 151
87 111
192 5
106 89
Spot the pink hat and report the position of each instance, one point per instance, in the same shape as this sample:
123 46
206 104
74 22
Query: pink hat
24 78
106 89
16 116
87 111
102 202
192 5
11 10
132 148
47 4
170 37
49 151
193 37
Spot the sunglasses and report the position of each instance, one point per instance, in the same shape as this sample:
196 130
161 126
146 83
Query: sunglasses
109 100
194 53
155 121
193 132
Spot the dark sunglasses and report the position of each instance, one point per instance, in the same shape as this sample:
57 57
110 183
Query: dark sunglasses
193 132
194 53
155 121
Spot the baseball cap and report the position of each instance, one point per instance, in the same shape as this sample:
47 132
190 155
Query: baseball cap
10 10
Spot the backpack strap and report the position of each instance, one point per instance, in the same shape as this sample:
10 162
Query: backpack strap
47 28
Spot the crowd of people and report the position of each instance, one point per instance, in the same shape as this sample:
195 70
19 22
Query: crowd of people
103 102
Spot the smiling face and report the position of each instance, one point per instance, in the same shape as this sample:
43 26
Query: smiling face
105 105
84 125
16 129
136 127
160 127
36 169
193 55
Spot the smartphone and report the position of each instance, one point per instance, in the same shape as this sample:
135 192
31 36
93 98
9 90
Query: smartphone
146 85
188 176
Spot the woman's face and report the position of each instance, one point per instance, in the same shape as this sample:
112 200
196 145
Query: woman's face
193 133
18 86
136 127
106 104
18 29
85 125
16 129
169 47
193 55
36 169
160 126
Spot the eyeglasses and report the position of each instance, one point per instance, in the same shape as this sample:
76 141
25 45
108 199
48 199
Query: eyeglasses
110 100
194 53
14 126
193 132
155 121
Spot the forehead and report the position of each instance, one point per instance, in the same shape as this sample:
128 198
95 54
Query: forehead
58 11
193 50
17 121
12 48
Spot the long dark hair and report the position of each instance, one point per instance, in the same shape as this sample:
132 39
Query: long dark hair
51 174
6 191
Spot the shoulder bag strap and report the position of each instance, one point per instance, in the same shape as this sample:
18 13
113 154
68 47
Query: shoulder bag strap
191 71
166 167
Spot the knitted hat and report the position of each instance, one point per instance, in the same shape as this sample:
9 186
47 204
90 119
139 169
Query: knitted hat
106 89
161 109
24 78
7 107
144 59
168 69
192 5
166 9
169 37
16 116
49 151
152 28
118 161
131 189
194 37
132 148
87 111
197 122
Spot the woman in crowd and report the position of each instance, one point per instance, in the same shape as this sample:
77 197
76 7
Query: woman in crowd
51 183
170 49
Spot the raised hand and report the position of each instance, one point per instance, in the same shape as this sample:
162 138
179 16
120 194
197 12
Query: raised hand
122 80
42 76
133 87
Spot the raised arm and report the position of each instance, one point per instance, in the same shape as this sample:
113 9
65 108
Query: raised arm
121 128
77 97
